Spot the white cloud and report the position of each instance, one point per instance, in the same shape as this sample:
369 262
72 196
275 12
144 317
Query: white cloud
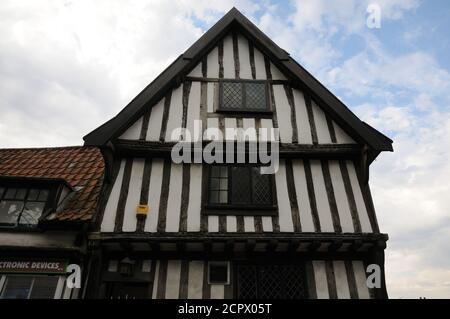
71 60
348 15
374 72
410 190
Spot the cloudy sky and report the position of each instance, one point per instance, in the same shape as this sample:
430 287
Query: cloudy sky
68 66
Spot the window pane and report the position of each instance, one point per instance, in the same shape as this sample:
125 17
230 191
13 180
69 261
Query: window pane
255 96
21 192
215 171
33 194
9 211
214 197
215 183
262 189
240 188
218 186
224 184
43 194
248 186
31 213
224 171
17 287
232 95
10 193
44 287
223 197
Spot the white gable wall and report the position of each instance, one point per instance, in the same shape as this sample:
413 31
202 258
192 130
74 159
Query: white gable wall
282 109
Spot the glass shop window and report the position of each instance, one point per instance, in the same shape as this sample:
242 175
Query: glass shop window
29 287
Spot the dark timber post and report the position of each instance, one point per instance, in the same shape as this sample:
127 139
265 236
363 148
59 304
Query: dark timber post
377 257
93 280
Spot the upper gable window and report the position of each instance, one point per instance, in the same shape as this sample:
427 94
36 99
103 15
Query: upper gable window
243 96
22 206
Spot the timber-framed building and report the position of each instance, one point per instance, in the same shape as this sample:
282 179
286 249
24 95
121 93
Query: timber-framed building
197 230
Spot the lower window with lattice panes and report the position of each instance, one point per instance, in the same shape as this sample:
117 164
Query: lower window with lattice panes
270 281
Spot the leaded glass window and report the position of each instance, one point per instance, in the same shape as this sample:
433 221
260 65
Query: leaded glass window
239 186
218 185
271 281
246 96
232 95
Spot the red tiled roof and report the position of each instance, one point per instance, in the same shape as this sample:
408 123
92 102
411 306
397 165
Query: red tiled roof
82 167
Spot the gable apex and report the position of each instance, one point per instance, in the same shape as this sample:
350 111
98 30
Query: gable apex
234 20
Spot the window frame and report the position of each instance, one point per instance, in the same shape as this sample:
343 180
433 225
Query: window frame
48 203
244 209
243 109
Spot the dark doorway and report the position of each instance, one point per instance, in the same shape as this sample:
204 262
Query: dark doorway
271 281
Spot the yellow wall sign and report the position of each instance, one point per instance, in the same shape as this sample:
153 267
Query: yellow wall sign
142 209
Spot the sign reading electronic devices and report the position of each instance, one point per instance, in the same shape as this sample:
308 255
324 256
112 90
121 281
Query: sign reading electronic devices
33 266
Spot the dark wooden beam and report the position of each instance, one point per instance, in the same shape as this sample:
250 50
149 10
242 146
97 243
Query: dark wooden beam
331 129
224 237
220 57
312 122
127 247
167 99
328 151
181 247
251 52
314 246
250 245
123 195
282 256
335 245
331 197
236 56
208 247
154 246
206 79
350 196
267 65
272 245
293 246
229 246
356 245
161 228
185 197
290 98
